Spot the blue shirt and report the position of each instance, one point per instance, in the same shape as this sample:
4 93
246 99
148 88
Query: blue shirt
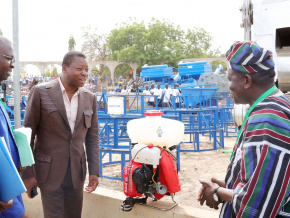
17 209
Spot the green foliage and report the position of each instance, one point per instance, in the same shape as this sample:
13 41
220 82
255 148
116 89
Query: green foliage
94 71
47 73
215 64
54 72
160 42
100 71
71 43
122 69
51 72
1 33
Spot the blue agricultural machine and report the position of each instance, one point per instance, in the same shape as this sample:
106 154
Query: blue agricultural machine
157 73
197 82
188 73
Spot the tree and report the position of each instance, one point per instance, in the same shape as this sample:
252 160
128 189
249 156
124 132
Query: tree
122 69
160 42
197 43
47 73
95 48
51 72
127 41
1 33
215 64
95 44
71 43
54 71
101 70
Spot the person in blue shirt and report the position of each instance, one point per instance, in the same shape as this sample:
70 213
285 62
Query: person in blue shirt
15 207
95 80
118 88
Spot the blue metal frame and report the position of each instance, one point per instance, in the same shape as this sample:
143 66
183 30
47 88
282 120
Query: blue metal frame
114 140
113 131
229 127
110 152
10 113
200 121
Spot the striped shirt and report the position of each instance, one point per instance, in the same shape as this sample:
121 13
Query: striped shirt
259 172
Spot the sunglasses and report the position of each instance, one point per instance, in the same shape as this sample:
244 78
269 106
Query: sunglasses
11 59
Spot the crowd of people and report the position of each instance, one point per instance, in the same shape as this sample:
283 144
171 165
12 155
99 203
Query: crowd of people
97 83
26 84
63 117
154 95
165 97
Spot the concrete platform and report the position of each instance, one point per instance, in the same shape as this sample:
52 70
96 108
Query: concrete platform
105 203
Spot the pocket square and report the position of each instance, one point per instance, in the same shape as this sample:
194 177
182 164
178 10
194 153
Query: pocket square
88 112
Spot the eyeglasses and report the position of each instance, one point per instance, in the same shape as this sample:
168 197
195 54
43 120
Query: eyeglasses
12 59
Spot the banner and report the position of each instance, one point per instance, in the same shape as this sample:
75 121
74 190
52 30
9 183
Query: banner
11 102
115 105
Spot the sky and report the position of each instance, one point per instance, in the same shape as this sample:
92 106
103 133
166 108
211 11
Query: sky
45 26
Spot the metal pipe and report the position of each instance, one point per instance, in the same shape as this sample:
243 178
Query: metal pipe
16 71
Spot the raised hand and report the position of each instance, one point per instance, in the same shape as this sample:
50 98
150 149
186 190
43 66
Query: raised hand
207 189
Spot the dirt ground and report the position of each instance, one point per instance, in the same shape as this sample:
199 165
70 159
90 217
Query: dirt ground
194 166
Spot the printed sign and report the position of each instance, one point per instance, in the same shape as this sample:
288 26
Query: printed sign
11 102
115 105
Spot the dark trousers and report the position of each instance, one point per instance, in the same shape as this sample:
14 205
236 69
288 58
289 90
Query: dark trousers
151 103
166 104
65 202
159 102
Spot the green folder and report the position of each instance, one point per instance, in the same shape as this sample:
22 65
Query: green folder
22 139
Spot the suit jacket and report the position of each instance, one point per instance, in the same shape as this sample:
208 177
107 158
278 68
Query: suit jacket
6 132
55 146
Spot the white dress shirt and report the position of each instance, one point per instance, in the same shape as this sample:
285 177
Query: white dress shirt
147 92
124 91
158 92
167 94
71 107
175 92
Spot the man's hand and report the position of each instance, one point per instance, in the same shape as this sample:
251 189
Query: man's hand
29 183
207 194
200 194
93 183
220 182
4 205
20 169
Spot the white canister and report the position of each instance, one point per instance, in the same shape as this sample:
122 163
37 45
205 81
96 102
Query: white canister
156 130
146 154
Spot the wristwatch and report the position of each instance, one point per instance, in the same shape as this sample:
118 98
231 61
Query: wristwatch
216 196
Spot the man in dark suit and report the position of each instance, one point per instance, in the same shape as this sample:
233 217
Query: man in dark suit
13 208
63 116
